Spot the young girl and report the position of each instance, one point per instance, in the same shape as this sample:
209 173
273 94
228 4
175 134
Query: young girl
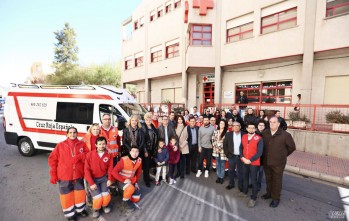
174 156
98 167
161 160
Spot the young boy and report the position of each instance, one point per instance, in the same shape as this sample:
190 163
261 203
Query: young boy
174 156
98 167
161 161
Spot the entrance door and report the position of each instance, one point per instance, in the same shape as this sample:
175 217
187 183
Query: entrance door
208 93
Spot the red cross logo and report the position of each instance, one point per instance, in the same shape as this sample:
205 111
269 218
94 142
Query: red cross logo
204 78
203 5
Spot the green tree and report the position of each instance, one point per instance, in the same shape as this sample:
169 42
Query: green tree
106 74
65 58
65 49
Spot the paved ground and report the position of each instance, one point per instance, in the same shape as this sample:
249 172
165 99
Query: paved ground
323 164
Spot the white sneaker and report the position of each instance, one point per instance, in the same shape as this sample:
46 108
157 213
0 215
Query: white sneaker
198 174
171 181
95 214
106 209
206 173
174 181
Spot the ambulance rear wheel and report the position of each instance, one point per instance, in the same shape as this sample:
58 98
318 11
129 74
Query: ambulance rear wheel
25 147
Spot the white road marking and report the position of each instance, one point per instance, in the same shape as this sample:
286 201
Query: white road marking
208 204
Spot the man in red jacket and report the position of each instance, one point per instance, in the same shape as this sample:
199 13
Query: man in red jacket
67 168
98 167
250 153
127 172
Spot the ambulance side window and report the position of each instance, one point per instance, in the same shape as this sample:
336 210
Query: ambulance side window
79 113
117 118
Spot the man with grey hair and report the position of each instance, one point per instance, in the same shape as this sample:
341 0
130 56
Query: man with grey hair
231 146
278 145
166 130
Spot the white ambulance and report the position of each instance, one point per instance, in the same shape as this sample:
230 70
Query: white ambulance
37 116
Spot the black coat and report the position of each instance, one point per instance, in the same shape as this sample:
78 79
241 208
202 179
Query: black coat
151 138
228 144
126 141
283 124
242 100
238 118
250 118
170 132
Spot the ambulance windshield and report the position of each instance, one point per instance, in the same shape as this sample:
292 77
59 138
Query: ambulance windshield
133 109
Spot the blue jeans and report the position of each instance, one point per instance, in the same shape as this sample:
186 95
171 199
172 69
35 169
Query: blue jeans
220 167
235 162
260 177
252 170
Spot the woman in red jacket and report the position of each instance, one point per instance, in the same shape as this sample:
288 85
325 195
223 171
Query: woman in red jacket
91 136
67 168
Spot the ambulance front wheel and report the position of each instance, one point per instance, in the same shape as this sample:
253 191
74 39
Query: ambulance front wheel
25 147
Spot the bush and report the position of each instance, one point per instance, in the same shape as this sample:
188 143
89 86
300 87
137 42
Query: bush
296 116
337 117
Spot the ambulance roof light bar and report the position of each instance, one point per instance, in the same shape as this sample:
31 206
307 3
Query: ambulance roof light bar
35 86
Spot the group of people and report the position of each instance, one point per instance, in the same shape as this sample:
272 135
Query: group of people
87 170
176 145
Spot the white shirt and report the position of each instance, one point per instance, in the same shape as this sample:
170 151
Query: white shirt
237 142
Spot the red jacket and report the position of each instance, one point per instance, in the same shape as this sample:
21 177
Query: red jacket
67 160
90 141
96 167
174 155
250 149
127 169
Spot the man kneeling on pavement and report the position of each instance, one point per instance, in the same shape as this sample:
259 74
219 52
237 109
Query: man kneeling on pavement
127 172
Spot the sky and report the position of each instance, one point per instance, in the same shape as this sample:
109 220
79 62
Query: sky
27 26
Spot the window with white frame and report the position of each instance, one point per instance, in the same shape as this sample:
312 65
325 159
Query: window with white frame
279 21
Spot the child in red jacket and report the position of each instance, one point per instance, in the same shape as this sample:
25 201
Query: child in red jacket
98 167
173 160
